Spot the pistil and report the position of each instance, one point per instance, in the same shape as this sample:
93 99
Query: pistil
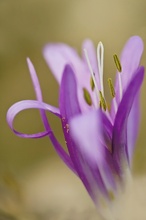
100 58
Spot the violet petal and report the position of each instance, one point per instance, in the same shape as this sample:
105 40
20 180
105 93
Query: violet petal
29 104
120 148
130 59
58 56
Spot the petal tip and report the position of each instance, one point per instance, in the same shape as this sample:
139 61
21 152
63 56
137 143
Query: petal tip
136 40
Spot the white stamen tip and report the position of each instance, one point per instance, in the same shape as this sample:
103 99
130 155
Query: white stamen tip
100 58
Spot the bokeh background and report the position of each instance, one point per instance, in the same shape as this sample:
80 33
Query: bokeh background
31 174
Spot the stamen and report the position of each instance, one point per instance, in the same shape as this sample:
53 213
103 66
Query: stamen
102 102
119 68
92 85
100 57
117 62
87 96
91 71
120 85
112 90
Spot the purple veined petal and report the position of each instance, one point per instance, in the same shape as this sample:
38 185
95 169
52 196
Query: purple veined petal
68 101
38 92
86 131
35 80
29 104
130 60
59 149
120 147
132 130
69 108
58 56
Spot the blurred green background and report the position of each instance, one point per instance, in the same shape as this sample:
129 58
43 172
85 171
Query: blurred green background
25 27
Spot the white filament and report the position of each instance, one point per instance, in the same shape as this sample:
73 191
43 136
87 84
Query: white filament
120 85
100 58
91 71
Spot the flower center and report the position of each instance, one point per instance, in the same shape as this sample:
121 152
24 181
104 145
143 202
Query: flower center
99 89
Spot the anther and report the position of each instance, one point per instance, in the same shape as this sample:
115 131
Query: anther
87 96
112 90
117 62
92 85
102 102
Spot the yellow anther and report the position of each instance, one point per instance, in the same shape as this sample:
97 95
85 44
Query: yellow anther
87 96
112 90
92 85
117 62
102 102
111 195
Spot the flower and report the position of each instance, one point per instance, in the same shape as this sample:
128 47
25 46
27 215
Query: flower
100 140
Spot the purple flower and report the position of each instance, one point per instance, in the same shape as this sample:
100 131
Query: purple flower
100 140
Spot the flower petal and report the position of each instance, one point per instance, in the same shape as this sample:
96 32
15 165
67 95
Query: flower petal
29 104
21 106
35 80
132 130
58 56
87 131
38 93
120 147
68 101
130 59
69 108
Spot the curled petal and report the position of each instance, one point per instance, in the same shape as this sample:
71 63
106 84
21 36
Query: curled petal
29 104
38 93
59 149
35 80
